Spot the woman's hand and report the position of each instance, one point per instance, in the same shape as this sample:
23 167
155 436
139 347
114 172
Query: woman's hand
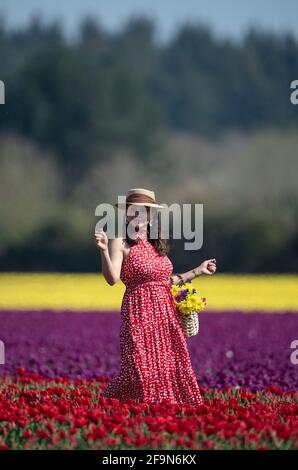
207 267
101 240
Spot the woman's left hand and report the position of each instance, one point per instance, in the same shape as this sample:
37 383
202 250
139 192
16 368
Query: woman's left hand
207 267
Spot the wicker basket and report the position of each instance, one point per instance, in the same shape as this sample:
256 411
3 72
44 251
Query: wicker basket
189 323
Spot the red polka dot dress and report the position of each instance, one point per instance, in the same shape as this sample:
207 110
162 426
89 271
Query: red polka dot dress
155 365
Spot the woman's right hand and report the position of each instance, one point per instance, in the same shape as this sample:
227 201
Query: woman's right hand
101 240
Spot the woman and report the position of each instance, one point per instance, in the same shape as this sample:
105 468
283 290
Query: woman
155 364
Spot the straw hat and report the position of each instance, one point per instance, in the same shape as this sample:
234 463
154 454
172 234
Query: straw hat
139 197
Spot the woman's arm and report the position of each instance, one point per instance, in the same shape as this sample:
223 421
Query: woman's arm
207 267
111 264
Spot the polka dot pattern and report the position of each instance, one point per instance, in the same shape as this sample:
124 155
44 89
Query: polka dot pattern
155 365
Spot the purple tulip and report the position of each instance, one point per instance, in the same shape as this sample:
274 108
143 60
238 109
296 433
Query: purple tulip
231 349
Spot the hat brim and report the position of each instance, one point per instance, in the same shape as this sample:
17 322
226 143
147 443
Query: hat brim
149 204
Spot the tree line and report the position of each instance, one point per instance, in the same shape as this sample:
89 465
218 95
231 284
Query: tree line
107 109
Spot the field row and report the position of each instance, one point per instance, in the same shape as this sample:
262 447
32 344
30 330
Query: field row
231 349
41 413
90 291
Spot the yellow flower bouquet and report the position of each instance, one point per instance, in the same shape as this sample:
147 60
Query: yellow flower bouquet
188 303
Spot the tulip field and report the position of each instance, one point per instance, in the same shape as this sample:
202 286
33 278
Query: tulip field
60 350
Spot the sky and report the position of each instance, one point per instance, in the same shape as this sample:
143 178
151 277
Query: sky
226 18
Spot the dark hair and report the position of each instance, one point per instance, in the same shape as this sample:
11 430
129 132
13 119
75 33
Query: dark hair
160 244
